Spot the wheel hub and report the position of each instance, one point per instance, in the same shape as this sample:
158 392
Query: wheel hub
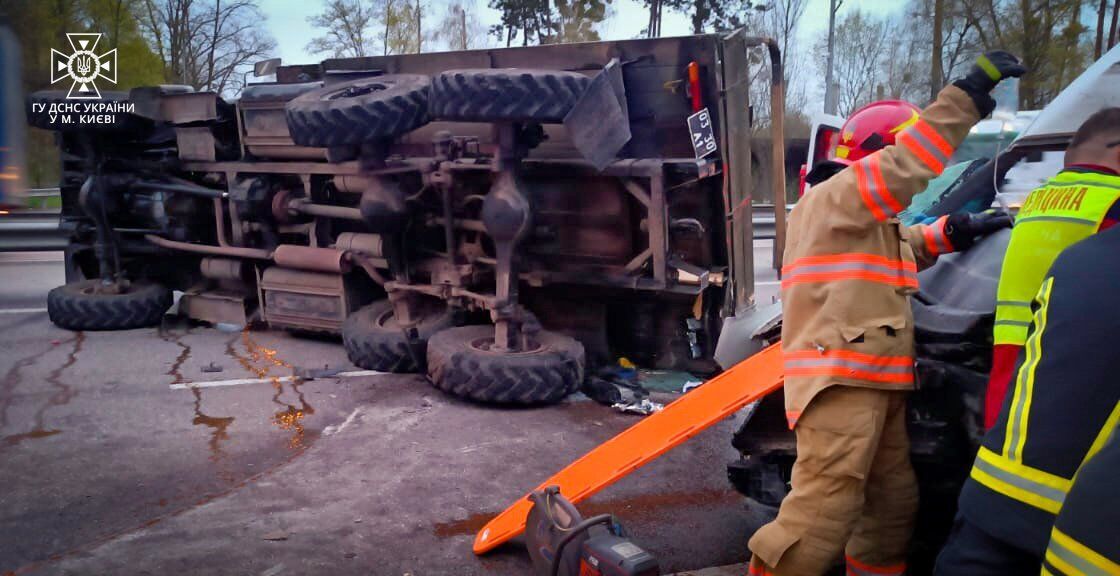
355 91
113 288
487 345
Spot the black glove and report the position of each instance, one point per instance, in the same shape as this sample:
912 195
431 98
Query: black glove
963 230
988 70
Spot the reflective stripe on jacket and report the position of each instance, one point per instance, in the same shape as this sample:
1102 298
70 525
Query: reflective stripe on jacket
850 264
1084 540
1069 208
1063 405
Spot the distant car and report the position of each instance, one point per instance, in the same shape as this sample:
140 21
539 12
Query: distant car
953 315
12 172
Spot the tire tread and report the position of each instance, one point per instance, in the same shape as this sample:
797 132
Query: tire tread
487 95
387 114
517 379
144 305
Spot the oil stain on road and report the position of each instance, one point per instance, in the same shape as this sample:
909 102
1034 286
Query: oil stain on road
632 507
260 361
219 426
62 395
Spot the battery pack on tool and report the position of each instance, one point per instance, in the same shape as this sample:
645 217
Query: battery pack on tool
563 543
610 555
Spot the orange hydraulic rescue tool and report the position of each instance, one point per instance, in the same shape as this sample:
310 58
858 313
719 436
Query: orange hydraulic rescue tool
687 416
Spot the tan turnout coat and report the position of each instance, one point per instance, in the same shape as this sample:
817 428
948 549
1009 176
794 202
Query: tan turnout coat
850 264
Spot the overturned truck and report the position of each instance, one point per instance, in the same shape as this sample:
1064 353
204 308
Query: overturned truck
500 218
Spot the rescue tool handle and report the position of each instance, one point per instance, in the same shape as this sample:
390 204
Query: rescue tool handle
572 533
687 416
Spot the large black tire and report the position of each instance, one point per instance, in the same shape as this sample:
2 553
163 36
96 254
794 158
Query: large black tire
375 341
460 364
78 306
39 115
359 111
510 94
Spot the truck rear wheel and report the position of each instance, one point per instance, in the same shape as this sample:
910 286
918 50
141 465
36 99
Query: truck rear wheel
511 94
375 341
81 306
461 363
359 111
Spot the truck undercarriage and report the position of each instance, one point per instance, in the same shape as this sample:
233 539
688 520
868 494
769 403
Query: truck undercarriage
539 209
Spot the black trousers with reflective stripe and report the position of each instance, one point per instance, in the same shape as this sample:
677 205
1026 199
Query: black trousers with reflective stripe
971 551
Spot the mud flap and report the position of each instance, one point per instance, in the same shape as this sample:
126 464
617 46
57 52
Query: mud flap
598 124
686 417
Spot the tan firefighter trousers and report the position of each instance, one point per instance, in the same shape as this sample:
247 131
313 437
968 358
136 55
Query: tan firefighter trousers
854 490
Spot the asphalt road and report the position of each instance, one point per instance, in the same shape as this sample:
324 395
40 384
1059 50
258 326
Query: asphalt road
110 465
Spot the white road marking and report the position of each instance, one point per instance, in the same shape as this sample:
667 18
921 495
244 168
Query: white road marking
768 283
332 430
22 310
277 379
274 570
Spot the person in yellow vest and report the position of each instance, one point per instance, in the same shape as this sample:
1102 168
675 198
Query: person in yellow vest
848 332
1078 202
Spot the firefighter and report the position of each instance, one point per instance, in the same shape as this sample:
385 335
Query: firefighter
1078 544
1064 405
1079 201
848 332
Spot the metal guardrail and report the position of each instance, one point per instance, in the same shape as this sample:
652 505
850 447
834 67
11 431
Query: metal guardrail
762 220
31 231
40 198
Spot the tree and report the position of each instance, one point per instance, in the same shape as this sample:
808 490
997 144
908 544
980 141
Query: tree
1045 34
904 62
347 24
401 20
460 28
532 20
857 57
206 43
1112 37
783 19
1102 10
653 29
548 22
780 20
716 15
576 20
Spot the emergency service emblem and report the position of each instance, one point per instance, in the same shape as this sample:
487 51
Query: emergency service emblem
83 66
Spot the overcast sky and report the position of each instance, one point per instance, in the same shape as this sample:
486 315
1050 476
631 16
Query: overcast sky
287 20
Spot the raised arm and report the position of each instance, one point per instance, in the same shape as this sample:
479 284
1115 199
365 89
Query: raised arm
878 187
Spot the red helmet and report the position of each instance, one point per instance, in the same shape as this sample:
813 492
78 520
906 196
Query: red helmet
872 128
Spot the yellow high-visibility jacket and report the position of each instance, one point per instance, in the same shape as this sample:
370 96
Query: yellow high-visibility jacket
1068 209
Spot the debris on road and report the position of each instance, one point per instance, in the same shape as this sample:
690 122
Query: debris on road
312 373
645 407
665 380
690 385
